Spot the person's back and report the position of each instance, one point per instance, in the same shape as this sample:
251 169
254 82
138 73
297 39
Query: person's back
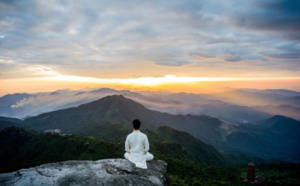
138 142
137 147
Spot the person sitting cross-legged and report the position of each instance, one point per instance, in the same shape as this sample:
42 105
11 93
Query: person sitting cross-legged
137 147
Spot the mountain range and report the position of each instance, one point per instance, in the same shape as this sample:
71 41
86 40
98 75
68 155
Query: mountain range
110 117
278 134
235 106
116 110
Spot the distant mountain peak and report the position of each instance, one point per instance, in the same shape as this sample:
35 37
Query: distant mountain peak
104 90
281 123
110 98
117 96
116 100
280 117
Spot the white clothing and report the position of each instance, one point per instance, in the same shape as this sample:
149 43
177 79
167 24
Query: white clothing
137 147
149 156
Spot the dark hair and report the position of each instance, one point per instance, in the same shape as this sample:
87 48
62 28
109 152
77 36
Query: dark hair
136 124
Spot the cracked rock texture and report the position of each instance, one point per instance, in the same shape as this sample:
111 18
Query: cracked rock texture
102 172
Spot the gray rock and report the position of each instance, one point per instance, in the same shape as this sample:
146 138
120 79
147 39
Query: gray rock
102 172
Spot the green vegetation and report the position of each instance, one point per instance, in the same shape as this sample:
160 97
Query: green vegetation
21 148
277 137
185 173
276 173
195 149
5 122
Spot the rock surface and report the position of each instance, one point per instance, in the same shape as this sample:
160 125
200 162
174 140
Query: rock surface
102 172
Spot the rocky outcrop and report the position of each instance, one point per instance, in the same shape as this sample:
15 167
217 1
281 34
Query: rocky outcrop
102 172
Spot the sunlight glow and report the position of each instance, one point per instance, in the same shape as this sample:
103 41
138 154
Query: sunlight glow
49 74
148 81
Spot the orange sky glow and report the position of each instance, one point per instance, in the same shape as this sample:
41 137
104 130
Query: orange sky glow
53 81
177 46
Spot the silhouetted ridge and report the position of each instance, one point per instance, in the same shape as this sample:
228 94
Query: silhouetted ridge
277 118
276 137
16 120
280 122
11 99
116 111
118 102
103 90
5 122
12 132
287 127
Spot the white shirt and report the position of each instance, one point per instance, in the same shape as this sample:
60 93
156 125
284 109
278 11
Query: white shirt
137 146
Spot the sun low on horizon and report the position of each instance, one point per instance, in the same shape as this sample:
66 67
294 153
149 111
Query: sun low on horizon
178 46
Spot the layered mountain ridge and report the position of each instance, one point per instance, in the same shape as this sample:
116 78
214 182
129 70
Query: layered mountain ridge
110 117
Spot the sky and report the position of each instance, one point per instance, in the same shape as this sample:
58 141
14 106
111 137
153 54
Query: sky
151 45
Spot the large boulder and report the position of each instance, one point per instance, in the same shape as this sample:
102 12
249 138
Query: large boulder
102 172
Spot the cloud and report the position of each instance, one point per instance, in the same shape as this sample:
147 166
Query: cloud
284 55
175 62
285 51
46 102
6 61
82 35
280 16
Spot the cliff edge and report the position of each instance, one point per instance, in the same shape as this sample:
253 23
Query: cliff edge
102 172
